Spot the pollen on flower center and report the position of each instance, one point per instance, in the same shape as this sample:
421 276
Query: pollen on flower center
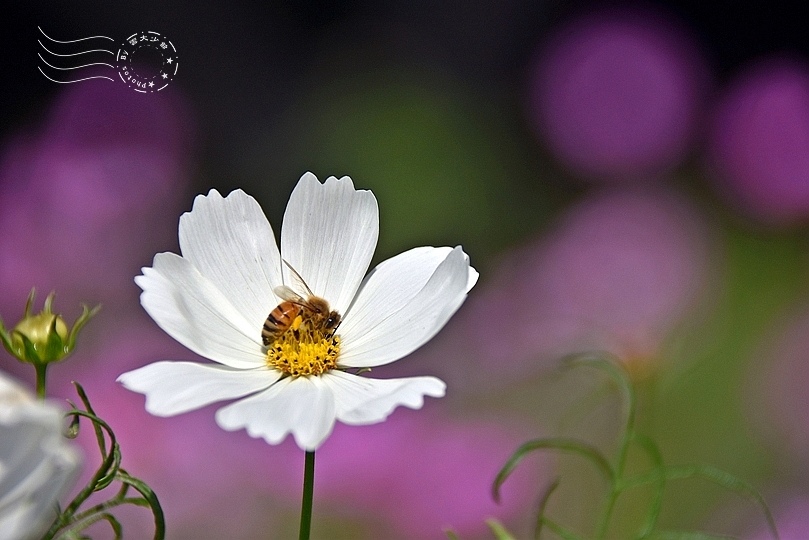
305 348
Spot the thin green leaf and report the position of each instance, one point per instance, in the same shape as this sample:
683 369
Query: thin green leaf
48 306
97 426
107 463
729 482
658 477
571 446
84 318
73 535
73 426
452 535
543 503
5 337
83 396
612 368
147 500
136 501
151 498
106 506
616 373
576 412
124 488
69 521
73 532
29 302
116 526
560 531
112 461
498 530
108 478
117 529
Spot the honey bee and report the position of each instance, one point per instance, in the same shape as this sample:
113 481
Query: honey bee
295 308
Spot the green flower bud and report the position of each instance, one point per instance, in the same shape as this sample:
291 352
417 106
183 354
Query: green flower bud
37 329
43 337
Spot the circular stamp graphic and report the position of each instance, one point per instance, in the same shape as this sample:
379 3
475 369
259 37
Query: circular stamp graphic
147 62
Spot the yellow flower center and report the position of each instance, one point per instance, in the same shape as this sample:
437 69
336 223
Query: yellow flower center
305 348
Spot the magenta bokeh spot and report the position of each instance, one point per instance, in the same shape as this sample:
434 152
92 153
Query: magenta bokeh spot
628 263
620 271
759 148
89 196
615 94
792 519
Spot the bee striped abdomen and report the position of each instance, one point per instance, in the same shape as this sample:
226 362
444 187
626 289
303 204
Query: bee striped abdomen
279 320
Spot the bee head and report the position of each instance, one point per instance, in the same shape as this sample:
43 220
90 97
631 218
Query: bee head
332 320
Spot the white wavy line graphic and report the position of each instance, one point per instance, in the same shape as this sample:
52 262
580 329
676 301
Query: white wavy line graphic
76 67
73 40
77 80
75 54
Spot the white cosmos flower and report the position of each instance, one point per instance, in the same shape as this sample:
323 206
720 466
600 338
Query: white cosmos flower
36 462
216 297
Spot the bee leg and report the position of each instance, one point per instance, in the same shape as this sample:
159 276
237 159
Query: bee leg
296 324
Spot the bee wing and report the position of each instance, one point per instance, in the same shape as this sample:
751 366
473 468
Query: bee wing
298 281
286 293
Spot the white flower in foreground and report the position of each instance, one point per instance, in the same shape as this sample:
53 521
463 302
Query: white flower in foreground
234 298
36 463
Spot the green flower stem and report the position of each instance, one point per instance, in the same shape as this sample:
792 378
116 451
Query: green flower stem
619 376
41 370
308 492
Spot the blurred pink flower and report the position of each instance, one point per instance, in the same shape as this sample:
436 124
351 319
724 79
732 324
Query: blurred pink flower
420 474
626 267
615 94
85 202
792 519
619 272
759 145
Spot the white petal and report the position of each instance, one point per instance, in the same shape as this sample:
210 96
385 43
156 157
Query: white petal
177 387
194 312
37 463
230 242
303 406
329 236
403 303
361 400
